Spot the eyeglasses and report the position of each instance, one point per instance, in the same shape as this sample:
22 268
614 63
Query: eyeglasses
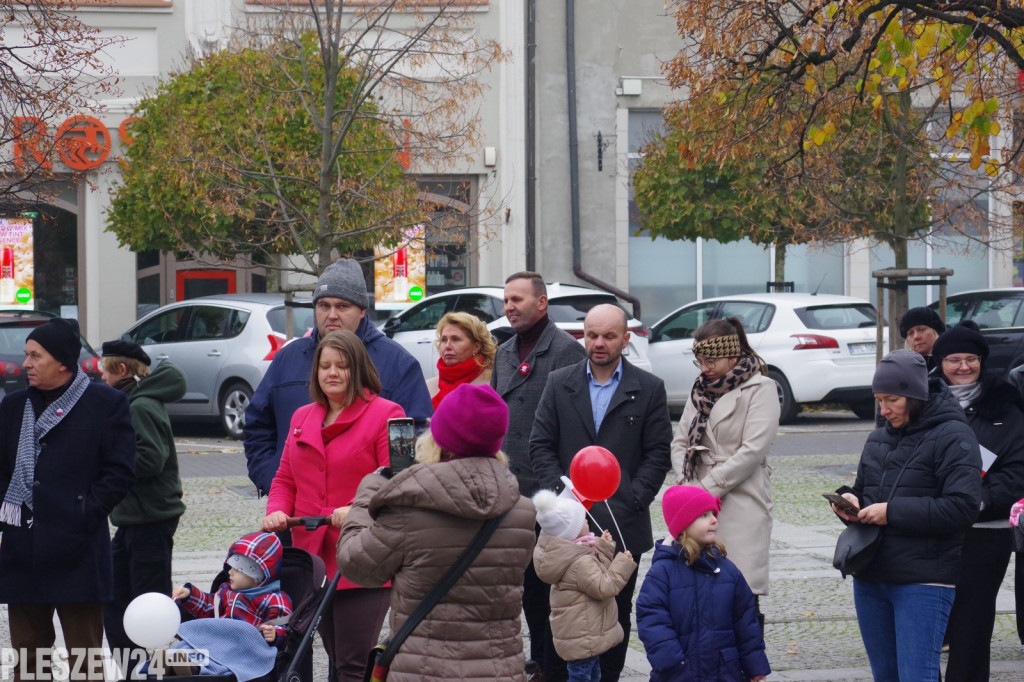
710 363
957 360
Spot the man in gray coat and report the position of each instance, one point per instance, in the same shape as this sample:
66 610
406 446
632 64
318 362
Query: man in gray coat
606 401
521 367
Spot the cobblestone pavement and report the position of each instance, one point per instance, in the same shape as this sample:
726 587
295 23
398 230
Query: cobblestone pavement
811 631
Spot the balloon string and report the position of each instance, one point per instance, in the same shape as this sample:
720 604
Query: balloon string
617 530
594 521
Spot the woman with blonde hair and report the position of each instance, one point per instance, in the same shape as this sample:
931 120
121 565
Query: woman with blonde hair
466 351
722 443
332 444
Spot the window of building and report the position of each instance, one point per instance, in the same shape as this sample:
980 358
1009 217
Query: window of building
450 246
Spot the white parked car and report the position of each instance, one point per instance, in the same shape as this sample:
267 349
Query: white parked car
416 327
819 348
224 345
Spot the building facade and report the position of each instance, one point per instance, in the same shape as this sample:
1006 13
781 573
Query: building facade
533 196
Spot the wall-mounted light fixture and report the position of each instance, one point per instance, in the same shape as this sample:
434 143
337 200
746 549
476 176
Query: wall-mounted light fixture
490 156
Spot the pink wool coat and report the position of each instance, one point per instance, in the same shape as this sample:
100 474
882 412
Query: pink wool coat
314 479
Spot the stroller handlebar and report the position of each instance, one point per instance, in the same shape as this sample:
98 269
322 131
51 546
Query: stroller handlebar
308 523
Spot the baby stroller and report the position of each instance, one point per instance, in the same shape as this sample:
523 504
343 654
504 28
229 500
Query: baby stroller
304 578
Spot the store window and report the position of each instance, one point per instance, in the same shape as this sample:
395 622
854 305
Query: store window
449 238
55 243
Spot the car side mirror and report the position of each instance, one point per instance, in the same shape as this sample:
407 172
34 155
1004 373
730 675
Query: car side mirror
391 326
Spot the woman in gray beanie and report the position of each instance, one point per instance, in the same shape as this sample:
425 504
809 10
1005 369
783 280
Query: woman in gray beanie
994 411
919 479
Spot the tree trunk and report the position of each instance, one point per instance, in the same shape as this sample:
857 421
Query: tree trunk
902 211
780 262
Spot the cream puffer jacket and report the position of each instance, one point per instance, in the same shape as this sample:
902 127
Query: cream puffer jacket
584 580
410 530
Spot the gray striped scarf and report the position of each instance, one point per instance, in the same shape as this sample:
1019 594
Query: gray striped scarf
19 492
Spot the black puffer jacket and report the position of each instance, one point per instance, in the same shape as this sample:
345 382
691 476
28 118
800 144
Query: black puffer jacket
937 498
997 419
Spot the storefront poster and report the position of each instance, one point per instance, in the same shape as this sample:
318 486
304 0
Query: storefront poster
17 263
399 272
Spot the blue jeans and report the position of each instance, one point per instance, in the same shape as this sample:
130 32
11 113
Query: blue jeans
902 628
585 670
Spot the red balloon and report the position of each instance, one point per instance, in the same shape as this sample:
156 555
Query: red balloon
595 473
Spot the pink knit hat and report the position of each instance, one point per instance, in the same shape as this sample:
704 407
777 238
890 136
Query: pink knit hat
471 421
682 504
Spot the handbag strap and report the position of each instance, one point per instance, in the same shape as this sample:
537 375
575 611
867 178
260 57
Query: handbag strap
900 474
440 589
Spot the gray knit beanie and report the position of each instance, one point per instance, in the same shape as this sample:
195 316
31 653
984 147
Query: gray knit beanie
902 372
343 279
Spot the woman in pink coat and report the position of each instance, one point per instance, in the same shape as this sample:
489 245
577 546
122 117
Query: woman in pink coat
333 443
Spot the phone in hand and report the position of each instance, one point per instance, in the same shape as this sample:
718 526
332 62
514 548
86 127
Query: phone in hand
401 444
842 503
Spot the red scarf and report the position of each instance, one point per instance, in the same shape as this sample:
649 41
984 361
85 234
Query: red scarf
448 377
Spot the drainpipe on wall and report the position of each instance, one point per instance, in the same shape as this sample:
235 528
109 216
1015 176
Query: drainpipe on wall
574 171
531 135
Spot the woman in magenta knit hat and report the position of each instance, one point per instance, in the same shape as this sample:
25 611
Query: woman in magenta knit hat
332 443
411 528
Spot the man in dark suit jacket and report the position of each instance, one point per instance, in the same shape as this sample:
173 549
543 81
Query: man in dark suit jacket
521 367
606 401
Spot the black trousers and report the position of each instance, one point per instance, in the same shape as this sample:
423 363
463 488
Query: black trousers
984 559
536 609
142 563
1018 591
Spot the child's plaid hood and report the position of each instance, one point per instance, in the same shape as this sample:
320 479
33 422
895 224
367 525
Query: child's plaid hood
263 548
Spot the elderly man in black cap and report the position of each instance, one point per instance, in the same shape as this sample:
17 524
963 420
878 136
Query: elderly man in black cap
67 458
147 517
340 301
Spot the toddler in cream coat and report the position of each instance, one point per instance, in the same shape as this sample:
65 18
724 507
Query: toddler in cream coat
585 575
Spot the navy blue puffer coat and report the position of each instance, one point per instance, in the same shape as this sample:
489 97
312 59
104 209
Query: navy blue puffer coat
698 622
938 496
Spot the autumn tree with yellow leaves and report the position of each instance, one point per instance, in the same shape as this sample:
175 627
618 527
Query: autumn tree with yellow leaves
794 72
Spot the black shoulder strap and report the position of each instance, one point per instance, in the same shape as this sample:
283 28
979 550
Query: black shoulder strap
441 588
896 483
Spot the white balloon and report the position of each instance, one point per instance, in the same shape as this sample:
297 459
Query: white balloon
151 620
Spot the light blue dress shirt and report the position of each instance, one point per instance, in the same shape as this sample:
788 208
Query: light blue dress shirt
600 395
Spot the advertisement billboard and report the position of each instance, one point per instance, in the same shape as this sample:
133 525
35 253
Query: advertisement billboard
400 273
17 263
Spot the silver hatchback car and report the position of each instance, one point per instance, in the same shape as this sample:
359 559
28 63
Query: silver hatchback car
224 345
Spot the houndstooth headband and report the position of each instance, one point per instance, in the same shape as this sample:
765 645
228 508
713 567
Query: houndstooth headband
718 347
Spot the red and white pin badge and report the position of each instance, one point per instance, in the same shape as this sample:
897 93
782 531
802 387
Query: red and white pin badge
524 368
60 413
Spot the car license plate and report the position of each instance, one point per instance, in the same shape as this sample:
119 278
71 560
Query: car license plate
862 348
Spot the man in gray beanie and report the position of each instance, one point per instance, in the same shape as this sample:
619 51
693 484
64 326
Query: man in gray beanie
339 300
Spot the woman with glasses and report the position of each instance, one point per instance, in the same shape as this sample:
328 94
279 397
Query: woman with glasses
995 412
722 443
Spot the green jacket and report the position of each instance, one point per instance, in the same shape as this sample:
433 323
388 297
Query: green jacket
156 495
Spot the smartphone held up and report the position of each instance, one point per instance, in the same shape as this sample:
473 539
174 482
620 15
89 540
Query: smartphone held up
401 444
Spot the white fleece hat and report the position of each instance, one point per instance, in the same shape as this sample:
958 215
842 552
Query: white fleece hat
560 515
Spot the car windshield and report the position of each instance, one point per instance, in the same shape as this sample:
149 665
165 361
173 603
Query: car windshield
575 308
302 320
845 316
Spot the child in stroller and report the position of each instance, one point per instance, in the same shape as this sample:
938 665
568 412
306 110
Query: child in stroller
301 576
251 596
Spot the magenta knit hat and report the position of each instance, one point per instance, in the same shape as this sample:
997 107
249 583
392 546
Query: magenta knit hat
471 421
682 504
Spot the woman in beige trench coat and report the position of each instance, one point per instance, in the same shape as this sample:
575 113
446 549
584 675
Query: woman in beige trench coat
722 443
